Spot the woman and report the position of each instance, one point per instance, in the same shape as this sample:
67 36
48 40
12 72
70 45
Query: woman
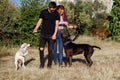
58 44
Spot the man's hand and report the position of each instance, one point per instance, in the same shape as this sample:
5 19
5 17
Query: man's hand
35 30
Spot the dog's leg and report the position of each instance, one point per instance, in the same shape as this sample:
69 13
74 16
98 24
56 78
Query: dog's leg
16 64
70 61
19 64
89 61
66 61
23 62
88 58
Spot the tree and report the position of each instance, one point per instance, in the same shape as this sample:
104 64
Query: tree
114 19
80 14
9 18
30 10
83 15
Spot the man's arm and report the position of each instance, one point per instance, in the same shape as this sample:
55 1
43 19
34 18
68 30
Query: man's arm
37 25
56 29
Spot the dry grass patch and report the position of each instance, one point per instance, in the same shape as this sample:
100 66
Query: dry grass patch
106 64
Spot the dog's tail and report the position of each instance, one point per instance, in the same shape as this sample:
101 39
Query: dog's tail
96 47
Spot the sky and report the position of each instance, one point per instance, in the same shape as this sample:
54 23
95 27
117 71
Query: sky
16 1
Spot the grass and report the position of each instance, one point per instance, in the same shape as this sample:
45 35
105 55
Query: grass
106 64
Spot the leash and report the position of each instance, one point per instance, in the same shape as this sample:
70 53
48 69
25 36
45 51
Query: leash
76 34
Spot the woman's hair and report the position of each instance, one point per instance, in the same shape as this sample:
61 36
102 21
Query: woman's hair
65 17
60 7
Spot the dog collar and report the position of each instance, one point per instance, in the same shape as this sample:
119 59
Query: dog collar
67 42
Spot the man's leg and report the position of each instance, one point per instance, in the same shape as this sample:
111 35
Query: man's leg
41 54
50 48
41 51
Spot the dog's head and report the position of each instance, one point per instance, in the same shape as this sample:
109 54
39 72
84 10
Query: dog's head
65 35
25 46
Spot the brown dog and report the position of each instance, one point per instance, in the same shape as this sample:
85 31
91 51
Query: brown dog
74 49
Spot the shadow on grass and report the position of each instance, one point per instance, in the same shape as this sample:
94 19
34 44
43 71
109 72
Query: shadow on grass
73 60
79 60
76 60
29 60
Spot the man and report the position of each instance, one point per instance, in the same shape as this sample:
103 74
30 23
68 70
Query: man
49 18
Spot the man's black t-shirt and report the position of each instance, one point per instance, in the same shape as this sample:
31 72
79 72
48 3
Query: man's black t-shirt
48 22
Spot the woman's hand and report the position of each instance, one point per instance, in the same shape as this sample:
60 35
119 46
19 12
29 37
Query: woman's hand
53 37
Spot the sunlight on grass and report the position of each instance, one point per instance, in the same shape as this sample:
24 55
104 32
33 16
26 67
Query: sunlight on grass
106 64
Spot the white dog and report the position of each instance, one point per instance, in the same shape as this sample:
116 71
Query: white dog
20 56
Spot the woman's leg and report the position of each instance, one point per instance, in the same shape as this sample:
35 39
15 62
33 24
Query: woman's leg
60 44
55 58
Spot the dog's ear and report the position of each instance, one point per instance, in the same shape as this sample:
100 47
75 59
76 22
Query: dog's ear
65 34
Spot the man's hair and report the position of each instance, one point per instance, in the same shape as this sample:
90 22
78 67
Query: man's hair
52 4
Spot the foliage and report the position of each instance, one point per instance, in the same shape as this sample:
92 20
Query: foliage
69 9
9 21
30 11
79 14
82 15
99 14
114 19
17 23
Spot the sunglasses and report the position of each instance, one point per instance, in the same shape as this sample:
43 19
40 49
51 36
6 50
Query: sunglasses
51 9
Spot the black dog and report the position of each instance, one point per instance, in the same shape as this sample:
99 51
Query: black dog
74 49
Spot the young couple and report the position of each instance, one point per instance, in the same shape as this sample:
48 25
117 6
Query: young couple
53 21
